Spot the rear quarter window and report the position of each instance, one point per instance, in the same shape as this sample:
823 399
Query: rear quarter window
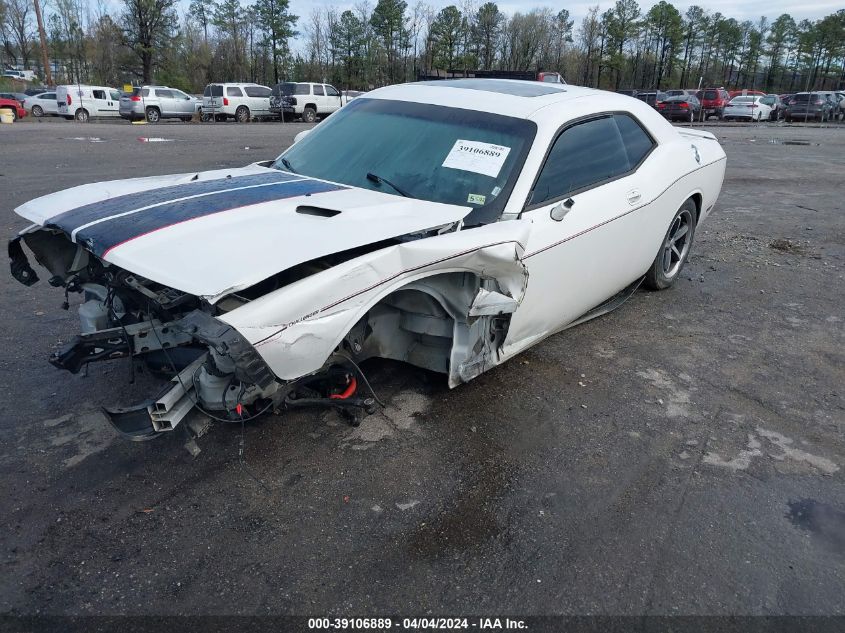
234 91
636 140
302 89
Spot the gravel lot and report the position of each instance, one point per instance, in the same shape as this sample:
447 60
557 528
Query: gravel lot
682 455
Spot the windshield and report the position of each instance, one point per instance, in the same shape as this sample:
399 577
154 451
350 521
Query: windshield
429 152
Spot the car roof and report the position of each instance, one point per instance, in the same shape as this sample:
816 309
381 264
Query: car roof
510 97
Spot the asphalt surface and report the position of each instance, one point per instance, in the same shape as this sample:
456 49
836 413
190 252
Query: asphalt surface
682 455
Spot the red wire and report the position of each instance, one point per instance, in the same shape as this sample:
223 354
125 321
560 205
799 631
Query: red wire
348 392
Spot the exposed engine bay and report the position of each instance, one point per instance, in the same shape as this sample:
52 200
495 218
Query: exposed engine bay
452 322
209 364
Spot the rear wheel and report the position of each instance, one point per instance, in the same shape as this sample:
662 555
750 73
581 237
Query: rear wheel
309 115
674 250
153 115
82 115
37 111
242 114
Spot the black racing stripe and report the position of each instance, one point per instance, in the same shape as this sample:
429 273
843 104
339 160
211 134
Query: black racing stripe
105 235
72 219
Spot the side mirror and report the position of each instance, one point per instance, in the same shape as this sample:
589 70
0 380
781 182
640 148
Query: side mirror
561 209
301 135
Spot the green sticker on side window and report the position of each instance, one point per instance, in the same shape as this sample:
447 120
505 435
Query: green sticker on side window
476 198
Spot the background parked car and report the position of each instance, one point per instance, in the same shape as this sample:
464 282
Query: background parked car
745 92
628 93
154 103
680 108
680 92
777 106
14 107
809 106
713 101
651 98
306 100
834 103
749 107
82 102
242 102
42 104
20 97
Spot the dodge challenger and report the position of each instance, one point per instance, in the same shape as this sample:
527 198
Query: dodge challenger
448 224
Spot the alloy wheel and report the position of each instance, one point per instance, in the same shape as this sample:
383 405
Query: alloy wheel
677 244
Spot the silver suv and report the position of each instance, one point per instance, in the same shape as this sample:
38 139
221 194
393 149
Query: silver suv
154 103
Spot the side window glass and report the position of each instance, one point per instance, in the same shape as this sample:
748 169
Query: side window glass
637 143
318 90
332 91
257 91
164 94
233 91
582 155
100 94
302 89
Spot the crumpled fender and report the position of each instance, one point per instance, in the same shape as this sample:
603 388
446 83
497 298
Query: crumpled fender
296 328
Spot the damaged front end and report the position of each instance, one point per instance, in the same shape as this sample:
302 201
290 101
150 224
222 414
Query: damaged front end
210 365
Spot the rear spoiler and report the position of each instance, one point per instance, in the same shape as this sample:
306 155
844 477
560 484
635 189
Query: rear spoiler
698 134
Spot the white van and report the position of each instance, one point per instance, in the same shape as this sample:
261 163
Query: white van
241 102
82 102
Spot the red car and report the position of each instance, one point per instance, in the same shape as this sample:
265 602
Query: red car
15 106
713 101
746 92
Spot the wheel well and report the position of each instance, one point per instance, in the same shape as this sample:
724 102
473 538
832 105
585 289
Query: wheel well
426 323
152 107
312 106
697 199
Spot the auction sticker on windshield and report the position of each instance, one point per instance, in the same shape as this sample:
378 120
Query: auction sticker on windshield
478 157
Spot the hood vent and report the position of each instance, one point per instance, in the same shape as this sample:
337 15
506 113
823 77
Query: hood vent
318 211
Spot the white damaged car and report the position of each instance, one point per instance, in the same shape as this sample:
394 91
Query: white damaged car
448 224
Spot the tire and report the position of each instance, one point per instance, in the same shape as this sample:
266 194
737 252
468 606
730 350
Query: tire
309 115
37 111
82 115
670 259
153 115
242 114
691 116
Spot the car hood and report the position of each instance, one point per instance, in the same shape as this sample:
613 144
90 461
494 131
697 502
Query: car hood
217 232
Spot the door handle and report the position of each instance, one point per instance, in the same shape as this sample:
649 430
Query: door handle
633 196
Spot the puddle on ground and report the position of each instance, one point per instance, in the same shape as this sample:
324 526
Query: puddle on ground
824 522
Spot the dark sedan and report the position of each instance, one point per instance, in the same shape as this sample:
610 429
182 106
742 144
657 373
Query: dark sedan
809 106
680 108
